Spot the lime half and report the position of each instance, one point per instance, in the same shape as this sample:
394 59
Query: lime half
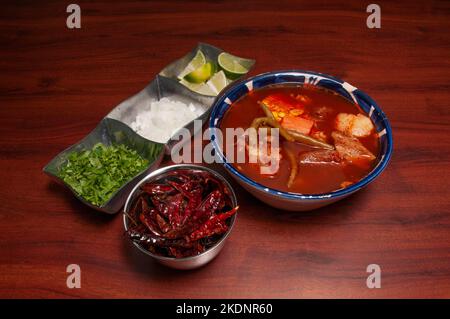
233 66
201 74
198 60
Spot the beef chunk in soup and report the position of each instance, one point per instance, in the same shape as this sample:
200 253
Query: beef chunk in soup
350 148
320 157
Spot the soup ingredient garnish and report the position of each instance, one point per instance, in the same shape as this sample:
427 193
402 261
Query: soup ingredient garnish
308 140
294 167
197 61
212 87
289 135
266 121
181 215
350 148
233 66
298 124
354 125
211 77
320 157
192 86
201 74
288 111
267 157
205 90
161 119
292 127
266 110
217 82
98 173
282 103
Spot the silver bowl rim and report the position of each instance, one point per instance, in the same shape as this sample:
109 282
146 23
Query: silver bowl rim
166 169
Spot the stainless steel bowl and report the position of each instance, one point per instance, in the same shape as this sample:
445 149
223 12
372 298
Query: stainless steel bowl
187 262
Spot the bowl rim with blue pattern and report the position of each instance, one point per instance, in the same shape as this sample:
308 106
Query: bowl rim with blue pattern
224 101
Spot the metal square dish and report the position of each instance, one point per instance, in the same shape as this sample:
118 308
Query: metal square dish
116 126
108 132
166 84
160 87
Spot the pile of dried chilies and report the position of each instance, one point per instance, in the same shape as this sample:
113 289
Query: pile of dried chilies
181 215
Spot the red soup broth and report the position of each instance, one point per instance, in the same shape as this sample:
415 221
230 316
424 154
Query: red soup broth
314 178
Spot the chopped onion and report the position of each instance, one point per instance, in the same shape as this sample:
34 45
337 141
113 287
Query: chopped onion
161 119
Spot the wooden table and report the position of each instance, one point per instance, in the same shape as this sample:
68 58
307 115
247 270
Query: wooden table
57 83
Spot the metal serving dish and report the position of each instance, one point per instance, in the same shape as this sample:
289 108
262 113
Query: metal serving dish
166 84
188 262
160 87
110 131
120 118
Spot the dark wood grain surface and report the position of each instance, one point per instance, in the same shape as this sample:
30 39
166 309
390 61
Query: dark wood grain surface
56 84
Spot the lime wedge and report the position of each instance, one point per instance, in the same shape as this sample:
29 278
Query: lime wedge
201 88
198 60
201 74
217 82
205 90
192 86
233 66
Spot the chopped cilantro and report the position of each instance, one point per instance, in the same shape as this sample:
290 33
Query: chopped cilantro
96 174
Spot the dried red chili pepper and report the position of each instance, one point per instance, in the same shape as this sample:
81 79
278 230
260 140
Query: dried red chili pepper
153 189
163 225
214 225
174 206
213 202
160 203
144 238
147 219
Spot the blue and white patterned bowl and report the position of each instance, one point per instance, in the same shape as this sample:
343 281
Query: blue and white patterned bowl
295 201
